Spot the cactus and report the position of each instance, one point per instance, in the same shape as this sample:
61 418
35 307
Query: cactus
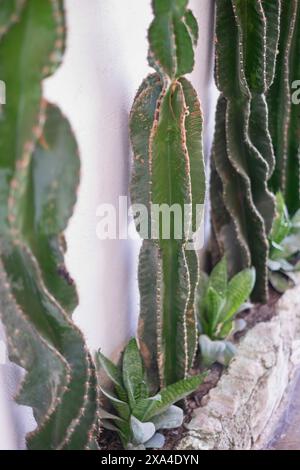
243 158
39 169
140 415
284 114
166 137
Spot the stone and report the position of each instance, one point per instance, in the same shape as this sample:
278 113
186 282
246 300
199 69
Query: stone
237 412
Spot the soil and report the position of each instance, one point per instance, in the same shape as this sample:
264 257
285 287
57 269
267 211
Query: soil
259 313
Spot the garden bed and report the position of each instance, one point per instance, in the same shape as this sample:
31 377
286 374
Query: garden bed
239 412
235 408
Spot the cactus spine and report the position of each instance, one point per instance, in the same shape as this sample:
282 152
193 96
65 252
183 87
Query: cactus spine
284 114
243 158
39 171
166 136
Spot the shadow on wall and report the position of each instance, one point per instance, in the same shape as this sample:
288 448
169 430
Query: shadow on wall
106 53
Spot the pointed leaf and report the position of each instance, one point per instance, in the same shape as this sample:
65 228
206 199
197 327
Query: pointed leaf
168 396
112 371
133 372
120 406
218 278
239 290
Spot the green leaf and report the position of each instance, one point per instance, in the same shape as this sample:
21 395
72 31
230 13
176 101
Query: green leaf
168 396
281 225
112 371
239 290
225 329
214 307
120 406
218 279
133 372
108 416
109 426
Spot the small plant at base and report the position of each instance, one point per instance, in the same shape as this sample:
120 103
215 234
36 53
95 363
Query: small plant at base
218 301
139 415
284 246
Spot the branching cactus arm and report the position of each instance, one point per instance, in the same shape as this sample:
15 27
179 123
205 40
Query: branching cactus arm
39 170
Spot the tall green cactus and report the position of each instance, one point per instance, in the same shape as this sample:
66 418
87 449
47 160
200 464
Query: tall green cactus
284 114
166 136
39 173
243 208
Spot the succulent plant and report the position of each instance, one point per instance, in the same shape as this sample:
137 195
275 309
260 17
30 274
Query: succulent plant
218 301
139 415
284 115
243 160
39 174
285 246
168 169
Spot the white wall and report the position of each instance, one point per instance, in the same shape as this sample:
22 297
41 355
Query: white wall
104 64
